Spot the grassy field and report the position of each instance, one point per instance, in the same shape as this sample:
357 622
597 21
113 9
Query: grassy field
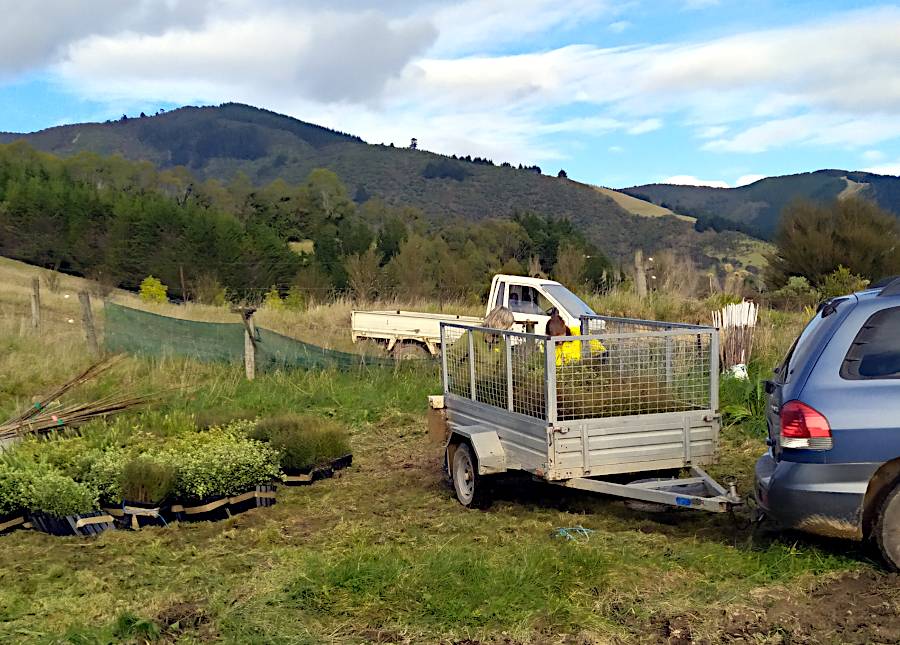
383 553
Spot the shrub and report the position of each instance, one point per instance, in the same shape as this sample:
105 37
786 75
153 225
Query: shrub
796 294
222 461
152 290
147 479
60 496
273 300
105 473
743 401
303 441
841 282
14 487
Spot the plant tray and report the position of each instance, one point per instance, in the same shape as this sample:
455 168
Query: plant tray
12 521
310 475
263 495
85 524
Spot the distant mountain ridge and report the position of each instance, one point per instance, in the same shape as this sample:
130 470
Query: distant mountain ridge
219 142
756 207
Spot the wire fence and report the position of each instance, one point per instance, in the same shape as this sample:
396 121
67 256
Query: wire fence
612 373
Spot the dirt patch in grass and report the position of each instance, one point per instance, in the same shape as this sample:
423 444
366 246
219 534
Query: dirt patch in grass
860 607
182 618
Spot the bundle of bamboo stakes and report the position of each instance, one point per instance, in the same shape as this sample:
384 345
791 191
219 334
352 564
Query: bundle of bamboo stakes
736 324
46 414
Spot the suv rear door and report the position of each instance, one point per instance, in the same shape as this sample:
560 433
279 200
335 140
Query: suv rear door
791 375
856 384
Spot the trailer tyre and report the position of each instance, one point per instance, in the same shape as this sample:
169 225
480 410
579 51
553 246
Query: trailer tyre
467 483
887 530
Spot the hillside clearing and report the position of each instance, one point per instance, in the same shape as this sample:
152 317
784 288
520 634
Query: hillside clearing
641 207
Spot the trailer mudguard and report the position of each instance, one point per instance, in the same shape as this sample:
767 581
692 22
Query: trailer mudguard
485 443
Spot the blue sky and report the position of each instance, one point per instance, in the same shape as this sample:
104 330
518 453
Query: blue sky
617 93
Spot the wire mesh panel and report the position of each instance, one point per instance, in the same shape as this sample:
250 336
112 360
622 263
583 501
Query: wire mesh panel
596 324
629 374
502 369
587 377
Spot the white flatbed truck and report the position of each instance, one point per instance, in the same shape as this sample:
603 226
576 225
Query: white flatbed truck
409 333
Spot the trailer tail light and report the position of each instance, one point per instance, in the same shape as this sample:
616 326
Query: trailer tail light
804 427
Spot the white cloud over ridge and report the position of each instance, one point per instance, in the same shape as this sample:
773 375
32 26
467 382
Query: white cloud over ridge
431 69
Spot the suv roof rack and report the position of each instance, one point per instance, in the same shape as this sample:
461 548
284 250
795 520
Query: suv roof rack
891 287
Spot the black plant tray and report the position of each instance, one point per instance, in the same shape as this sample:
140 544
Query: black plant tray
12 521
208 509
306 476
84 524
262 495
137 515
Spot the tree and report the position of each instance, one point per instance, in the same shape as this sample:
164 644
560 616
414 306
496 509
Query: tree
813 240
562 174
152 290
364 274
409 269
570 263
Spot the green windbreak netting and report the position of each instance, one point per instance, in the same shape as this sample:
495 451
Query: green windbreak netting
274 350
140 332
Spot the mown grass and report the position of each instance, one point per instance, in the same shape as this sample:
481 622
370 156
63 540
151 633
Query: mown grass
382 553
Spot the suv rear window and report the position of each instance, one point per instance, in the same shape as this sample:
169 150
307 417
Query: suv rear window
875 352
809 342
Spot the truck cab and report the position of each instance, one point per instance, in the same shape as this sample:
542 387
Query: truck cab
532 300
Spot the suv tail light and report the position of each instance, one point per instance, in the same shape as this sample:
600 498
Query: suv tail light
804 427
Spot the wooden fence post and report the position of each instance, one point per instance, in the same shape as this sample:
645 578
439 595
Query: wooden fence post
36 305
87 320
640 275
249 341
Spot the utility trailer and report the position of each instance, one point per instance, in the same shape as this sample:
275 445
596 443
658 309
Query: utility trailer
626 397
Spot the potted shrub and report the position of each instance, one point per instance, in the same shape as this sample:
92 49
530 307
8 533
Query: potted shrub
310 447
62 506
217 470
145 482
14 484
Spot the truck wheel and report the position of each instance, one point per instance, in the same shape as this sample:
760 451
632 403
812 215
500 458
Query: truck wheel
407 351
887 530
469 486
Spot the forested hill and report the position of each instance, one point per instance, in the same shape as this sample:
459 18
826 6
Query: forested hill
756 208
219 142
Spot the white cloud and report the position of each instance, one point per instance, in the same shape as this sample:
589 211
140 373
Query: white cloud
885 169
873 155
647 125
690 180
743 180
385 70
619 26
615 149
712 131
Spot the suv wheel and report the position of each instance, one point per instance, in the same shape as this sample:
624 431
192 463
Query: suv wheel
887 530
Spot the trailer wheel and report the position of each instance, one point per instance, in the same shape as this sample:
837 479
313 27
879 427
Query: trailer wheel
887 530
469 486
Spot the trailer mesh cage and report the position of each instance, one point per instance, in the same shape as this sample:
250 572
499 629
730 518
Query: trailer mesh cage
617 367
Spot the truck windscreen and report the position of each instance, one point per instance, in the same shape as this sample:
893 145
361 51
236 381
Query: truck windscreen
568 300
